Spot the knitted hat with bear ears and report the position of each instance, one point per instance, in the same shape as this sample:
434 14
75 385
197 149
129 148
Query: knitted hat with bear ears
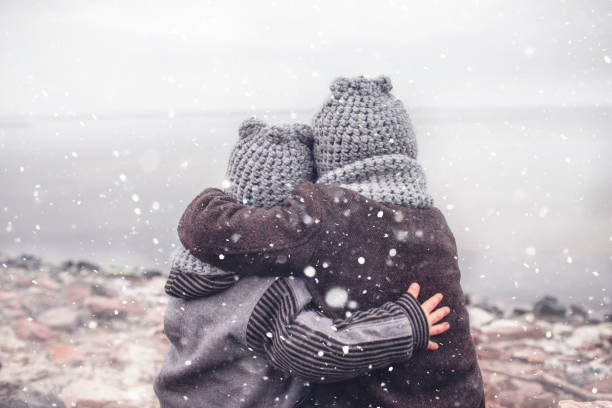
268 162
364 140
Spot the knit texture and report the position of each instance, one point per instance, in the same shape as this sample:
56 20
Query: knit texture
364 141
268 162
265 166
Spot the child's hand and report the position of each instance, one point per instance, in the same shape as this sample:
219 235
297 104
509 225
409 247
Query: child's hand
433 316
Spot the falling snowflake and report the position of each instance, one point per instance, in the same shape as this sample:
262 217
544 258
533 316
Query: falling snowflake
336 297
310 271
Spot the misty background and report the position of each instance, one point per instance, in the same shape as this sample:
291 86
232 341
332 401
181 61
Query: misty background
114 115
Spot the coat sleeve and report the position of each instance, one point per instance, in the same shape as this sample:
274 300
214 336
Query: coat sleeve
306 344
252 241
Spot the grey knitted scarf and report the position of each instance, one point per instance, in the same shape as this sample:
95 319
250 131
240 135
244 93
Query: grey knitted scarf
390 179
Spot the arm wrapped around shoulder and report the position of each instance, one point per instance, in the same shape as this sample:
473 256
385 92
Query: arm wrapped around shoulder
252 241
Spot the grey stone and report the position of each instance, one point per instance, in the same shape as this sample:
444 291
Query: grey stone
479 317
62 318
549 306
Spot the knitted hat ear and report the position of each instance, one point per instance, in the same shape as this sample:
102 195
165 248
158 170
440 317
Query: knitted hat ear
339 86
384 83
250 127
361 86
303 133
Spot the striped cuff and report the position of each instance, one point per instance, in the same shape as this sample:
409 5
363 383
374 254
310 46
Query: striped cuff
187 285
416 315
277 302
169 286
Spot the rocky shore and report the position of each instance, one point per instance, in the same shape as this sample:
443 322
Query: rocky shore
548 356
79 335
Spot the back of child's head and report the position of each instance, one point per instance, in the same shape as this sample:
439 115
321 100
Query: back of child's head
361 120
268 162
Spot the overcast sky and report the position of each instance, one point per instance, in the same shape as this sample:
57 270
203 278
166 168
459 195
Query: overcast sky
102 57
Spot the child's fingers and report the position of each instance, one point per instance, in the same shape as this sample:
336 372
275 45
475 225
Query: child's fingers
414 290
439 329
431 303
432 346
438 314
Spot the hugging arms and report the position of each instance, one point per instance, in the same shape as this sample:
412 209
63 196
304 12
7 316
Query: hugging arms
312 276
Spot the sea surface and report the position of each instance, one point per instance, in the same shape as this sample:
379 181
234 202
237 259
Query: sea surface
527 191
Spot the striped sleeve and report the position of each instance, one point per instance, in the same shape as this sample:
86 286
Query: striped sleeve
191 278
420 326
311 346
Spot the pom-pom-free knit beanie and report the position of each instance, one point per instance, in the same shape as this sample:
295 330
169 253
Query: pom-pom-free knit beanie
364 141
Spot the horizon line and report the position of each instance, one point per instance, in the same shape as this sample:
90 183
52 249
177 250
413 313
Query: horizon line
171 114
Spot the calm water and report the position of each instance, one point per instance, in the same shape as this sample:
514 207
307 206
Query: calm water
527 192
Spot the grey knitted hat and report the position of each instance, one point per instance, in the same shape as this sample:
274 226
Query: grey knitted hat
364 141
268 162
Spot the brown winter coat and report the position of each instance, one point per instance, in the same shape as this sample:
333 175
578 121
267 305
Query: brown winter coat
372 250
